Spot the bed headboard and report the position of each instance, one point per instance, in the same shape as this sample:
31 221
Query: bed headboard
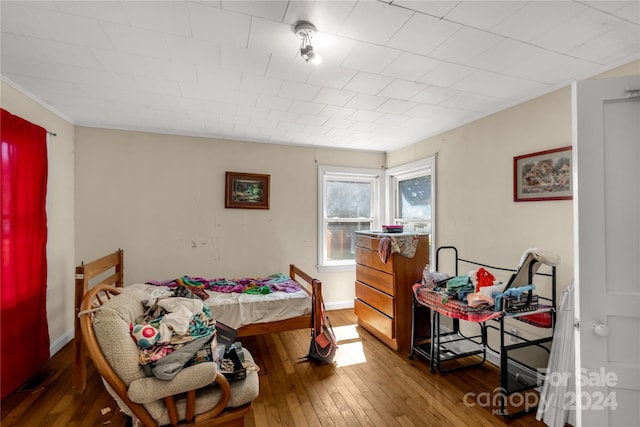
89 275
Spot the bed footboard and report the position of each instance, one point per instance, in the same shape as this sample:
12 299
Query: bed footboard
313 287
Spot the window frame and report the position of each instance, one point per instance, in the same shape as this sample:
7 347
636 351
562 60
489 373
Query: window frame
426 166
375 176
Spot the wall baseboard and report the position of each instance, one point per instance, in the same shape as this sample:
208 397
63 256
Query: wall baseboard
57 345
339 305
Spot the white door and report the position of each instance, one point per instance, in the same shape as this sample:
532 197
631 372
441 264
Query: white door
606 157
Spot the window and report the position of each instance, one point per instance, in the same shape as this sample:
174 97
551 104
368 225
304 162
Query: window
410 193
348 201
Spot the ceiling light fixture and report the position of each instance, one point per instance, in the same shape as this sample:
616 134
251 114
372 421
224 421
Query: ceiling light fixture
306 31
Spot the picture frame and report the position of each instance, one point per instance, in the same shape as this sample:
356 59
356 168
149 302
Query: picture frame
544 175
246 190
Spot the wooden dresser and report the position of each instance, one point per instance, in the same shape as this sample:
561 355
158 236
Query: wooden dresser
383 290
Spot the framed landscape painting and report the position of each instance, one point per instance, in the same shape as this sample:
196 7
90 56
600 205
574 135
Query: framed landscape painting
545 175
247 190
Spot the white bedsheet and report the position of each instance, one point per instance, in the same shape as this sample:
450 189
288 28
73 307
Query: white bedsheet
237 310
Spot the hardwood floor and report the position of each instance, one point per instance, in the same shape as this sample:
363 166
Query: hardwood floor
370 385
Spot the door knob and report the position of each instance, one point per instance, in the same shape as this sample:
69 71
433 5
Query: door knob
601 330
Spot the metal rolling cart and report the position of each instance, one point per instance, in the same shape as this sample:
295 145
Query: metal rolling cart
446 345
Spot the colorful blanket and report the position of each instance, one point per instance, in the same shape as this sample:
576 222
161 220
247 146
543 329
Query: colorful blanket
265 285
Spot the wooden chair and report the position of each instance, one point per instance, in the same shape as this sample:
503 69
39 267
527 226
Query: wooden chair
104 318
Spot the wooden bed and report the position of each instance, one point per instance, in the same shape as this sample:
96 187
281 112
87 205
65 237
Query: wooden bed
109 270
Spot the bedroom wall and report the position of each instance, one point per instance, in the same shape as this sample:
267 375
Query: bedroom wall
475 207
60 212
161 199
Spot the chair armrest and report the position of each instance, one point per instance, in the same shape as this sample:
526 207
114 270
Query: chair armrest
150 389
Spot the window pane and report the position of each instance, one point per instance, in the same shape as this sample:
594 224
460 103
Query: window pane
341 239
348 199
415 198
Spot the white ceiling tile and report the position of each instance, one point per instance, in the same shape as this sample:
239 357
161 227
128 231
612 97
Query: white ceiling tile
464 45
332 49
283 116
365 116
503 55
294 69
333 96
269 101
536 18
392 119
483 14
409 66
473 102
220 79
105 11
370 58
20 47
310 120
431 7
274 37
219 25
136 41
165 17
630 12
368 83
548 67
402 89
336 112
327 16
196 68
330 76
300 91
395 106
374 21
434 95
578 30
446 74
609 6
268 9
263 123
620 44
192 51
338 124
423 111
50 25
497 85
366 102
422 33
306 107
256 83
245 60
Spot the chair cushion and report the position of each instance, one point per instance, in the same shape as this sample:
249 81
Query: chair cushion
111 327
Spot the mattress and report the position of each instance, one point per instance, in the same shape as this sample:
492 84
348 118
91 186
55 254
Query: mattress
241 309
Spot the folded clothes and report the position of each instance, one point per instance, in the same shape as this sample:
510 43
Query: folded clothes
512 292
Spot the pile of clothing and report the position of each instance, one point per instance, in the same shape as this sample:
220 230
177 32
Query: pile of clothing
479 288
176 330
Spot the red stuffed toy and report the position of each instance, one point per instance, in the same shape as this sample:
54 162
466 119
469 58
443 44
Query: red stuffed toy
484 278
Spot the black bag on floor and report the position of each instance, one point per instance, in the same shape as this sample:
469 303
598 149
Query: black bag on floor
323 341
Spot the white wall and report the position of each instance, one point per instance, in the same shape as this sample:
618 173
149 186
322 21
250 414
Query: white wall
475 207
60 213
161 199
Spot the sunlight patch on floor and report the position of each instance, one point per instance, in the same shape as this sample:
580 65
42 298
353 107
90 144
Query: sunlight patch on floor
350 351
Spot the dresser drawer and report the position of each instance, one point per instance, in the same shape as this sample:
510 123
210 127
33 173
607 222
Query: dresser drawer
367 242
376 299
375 278
371 258
373 318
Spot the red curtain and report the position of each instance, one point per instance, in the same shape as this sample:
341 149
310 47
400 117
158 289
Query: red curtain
23 275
